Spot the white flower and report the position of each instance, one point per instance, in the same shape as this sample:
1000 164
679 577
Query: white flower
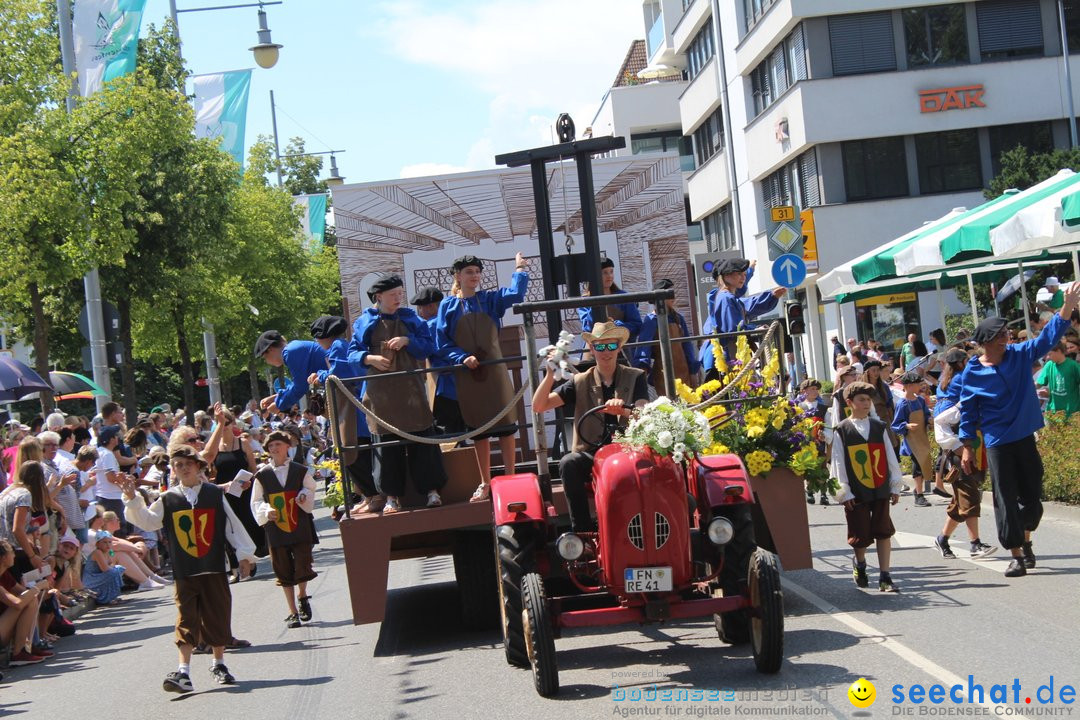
664 439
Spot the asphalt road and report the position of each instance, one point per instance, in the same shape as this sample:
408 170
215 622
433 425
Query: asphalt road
952 619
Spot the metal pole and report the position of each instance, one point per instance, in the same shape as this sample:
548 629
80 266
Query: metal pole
91 281
1068 73
532 365
588 226
941 308
1023 294
664 334
974 307
538 170
213 381
174 16
721 86
277 151
1076 265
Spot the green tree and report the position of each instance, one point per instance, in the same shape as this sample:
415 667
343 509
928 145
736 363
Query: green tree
301 172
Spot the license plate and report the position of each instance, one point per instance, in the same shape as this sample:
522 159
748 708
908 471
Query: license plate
656 579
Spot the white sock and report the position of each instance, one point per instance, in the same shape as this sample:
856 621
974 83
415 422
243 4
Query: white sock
216 661
184 668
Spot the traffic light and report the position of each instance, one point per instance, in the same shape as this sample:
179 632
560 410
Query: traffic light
796 324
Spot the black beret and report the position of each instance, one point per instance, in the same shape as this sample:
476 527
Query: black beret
872 362
466 261
988 329
269 339
911 378
328 326
663 284
427 296
729 266
955 356
607 263
386 282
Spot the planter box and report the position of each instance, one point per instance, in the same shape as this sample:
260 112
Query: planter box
781 496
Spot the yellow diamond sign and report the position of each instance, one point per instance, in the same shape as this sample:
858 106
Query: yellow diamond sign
785 237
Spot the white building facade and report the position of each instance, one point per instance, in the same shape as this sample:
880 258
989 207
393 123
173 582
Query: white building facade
877 115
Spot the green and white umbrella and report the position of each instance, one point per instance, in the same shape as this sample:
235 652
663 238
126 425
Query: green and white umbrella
1039 227
970 238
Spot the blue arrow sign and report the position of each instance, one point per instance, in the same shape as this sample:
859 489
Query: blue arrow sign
789 271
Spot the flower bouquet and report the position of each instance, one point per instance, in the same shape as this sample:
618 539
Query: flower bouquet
668 428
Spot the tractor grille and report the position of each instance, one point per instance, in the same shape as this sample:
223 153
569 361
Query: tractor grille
633 531
663 530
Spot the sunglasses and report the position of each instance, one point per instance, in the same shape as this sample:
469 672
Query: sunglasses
605 347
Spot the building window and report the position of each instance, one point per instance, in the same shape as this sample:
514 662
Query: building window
665 141
948 161
794 184
1009 28
719 230
754 10
782 68
1072 24
709 138
875 168
862 43
936 35
1036 137
701 50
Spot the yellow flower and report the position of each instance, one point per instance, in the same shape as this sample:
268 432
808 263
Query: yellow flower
685 393
717 449
759 462
778 422
754 431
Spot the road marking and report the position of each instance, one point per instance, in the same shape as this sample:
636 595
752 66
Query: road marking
908 655
906 539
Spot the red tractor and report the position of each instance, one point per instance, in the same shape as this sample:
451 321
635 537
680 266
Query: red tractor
672 542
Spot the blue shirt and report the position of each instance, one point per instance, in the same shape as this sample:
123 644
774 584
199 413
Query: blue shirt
731 313
631 317
643 356
901 418
710 300
949 396
444 381
302 357
1000 399
421 345
494 303
338 358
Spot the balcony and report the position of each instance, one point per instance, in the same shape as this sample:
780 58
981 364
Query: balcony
699 98
696 15
655 38
708 187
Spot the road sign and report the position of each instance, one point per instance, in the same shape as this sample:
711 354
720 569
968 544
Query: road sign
781 214
109 315
785 237
789 270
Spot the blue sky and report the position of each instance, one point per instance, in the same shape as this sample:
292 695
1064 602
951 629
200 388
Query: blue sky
415 87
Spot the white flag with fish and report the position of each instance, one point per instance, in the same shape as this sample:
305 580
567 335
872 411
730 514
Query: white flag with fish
106 40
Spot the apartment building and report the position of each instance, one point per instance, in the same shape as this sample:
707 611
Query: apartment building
877 115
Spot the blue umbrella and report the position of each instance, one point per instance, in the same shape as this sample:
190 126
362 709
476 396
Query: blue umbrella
17 380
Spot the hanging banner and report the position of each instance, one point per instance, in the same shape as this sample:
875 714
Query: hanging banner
313 217
221 109
106 38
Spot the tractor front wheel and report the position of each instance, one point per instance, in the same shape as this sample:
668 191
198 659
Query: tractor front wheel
767 612
514 557
734 627
539 636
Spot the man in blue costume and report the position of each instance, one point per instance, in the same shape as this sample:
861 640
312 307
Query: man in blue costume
998 397
730 312
301 357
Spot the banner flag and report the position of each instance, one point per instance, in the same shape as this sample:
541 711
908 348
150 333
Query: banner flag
106 38
221 109
313 217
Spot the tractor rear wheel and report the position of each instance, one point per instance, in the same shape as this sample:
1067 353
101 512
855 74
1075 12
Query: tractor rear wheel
734 627
514 556
474 568
539 636
767 620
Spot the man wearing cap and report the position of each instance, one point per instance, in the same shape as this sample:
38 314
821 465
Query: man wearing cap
608 383
732 313
199 523
329 332
625 315
467 333
998 397
684 360
390 338
1057 297
301 357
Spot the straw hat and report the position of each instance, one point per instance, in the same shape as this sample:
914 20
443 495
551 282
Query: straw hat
606 331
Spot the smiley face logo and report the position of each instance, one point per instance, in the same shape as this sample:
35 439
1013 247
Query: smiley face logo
862 693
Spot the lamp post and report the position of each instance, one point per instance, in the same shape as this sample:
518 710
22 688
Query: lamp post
266 56
335 178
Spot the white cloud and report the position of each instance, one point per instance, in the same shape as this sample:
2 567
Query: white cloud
534 59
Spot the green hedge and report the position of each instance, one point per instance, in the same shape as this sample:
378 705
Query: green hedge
1059 446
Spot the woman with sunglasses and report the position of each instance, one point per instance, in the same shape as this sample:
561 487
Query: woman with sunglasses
609 383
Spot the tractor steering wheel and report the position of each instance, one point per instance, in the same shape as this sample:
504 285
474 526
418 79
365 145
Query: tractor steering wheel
607 426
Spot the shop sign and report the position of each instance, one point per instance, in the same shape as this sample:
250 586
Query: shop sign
954 98
893 299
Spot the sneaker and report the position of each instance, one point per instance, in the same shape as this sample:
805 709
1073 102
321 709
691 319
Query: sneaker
921 501
149 584
392 506
980 549
823 500
481 493
810 498
376 504
305 608
905 489
293 621
62 626
1029 555
41 651
942 544
885 584
222 675
858 572
160 580
433 499
25 658
177 682
1016 568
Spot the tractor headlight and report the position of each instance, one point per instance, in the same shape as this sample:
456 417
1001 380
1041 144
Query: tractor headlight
570 546
721 531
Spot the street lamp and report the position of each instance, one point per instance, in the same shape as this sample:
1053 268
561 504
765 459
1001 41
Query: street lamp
266 51
335 178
